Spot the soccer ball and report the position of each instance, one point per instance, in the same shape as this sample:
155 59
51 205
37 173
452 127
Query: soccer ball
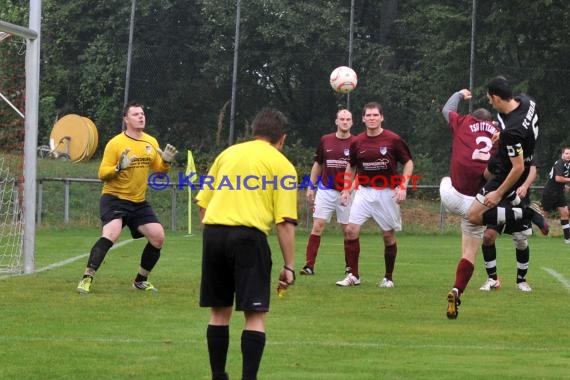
343 79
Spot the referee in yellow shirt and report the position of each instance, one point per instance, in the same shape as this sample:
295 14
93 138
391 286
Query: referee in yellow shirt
127 161
253 186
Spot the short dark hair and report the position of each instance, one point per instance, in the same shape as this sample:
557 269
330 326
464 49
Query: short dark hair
270 123
482 114
131 104
500 87
371 105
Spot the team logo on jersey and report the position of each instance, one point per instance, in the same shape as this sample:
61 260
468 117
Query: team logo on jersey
148 149
346 152
383 150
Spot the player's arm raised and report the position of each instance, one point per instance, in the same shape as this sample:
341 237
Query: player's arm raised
453 102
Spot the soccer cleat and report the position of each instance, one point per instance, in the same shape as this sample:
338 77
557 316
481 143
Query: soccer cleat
567 241
491 284
349 280
307 270
385 283
145 286
453 303
524 287
84 285
539 219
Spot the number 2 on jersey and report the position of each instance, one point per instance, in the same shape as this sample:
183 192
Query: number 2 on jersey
482 154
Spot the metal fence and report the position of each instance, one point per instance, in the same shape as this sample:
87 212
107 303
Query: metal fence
89 201
76 200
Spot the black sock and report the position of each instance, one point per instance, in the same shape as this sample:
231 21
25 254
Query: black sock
98 253
490 256
522 263
218 338
252 345
149 257
565 228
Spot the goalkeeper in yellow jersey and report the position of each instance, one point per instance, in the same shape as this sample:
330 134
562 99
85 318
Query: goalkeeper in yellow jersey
128 160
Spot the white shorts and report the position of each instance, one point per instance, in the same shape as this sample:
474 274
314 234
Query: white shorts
327 201
453 200
457 203
377 204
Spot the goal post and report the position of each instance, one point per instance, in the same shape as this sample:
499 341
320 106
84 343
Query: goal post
32 68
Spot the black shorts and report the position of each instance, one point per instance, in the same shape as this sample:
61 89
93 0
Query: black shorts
133 214
235 260
494 183
551 201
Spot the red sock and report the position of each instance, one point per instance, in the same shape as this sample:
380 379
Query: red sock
463 274
352 252
312 249
390 253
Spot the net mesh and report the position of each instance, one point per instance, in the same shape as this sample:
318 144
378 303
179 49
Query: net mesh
12 89
11 221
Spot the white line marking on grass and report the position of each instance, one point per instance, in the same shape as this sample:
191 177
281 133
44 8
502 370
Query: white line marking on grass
559 277
68 261
72 259
452 347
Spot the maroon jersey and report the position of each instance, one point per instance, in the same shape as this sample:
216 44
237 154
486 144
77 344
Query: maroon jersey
378 156
471 150
332 154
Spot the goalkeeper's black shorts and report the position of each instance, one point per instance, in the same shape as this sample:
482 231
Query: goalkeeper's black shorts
133 214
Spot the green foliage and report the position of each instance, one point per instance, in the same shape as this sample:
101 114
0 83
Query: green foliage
427 168
13 11
410 55
47 104
12 80
84 62
300 156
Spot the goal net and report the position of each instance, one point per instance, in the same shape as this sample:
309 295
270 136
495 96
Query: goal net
12 89
11 222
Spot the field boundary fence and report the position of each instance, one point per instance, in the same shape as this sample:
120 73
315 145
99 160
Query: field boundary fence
56 204
58 199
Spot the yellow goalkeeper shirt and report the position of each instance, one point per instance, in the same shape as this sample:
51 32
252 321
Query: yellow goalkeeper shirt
250 184
130 183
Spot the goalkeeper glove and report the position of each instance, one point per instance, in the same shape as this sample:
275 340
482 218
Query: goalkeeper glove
125 161
168 153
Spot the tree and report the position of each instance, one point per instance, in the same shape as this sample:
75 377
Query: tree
410 55
12 81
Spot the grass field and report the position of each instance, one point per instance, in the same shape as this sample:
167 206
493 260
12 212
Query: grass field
317 331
